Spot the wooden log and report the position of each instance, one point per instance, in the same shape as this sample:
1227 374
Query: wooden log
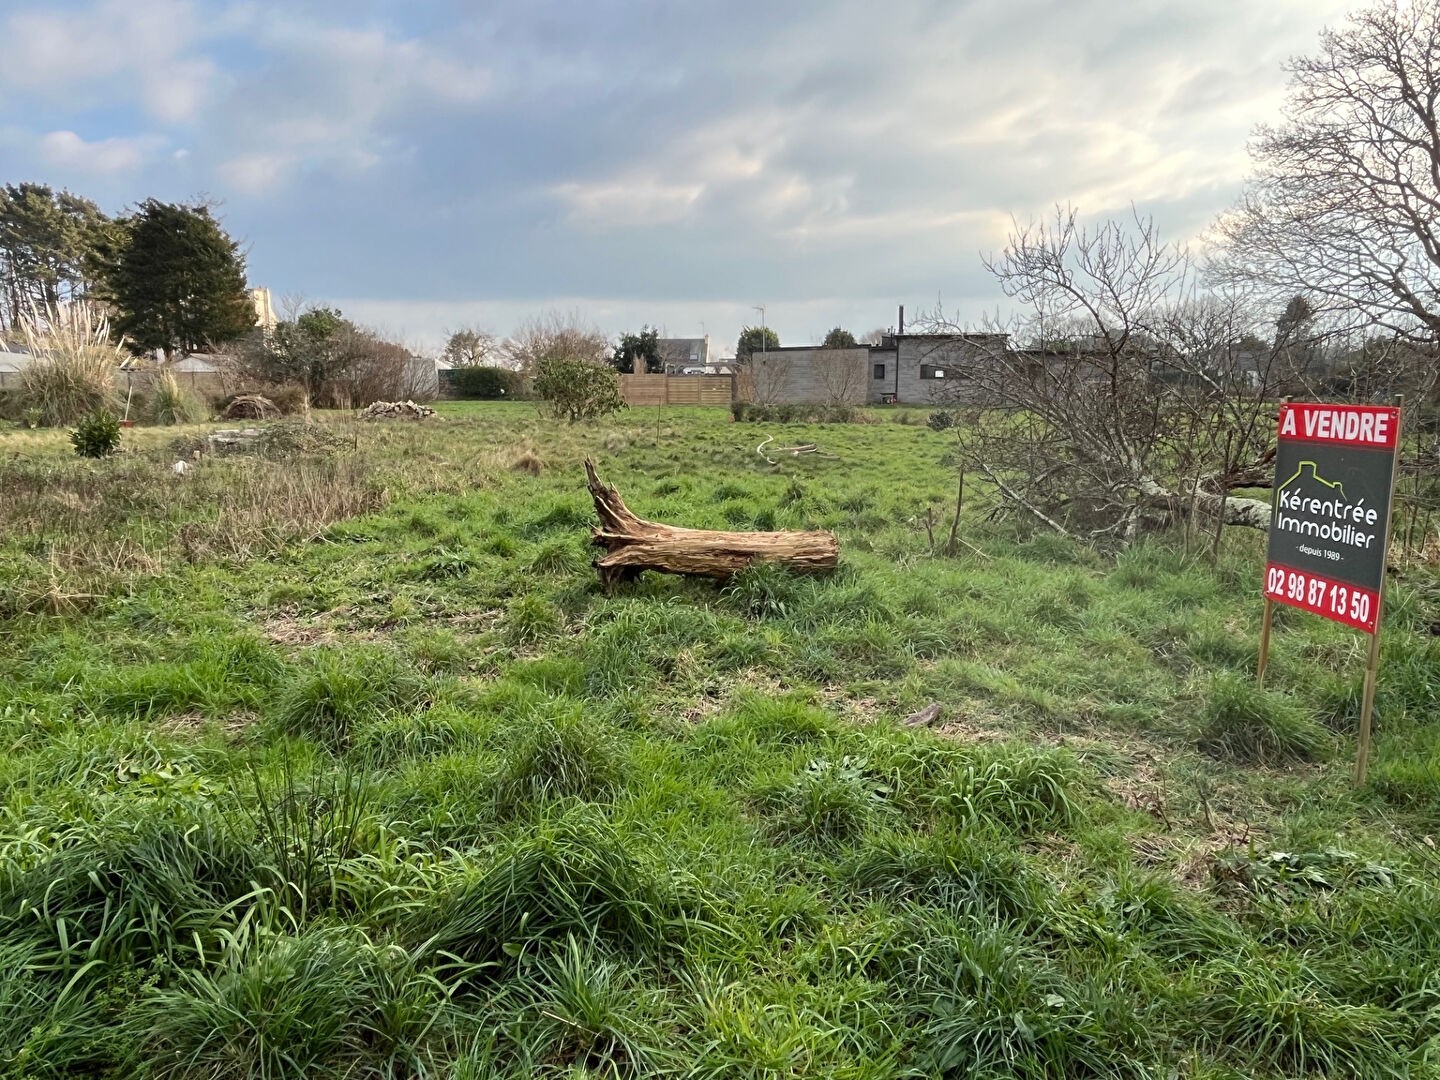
633 544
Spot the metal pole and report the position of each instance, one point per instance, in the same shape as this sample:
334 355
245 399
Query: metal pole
1372 662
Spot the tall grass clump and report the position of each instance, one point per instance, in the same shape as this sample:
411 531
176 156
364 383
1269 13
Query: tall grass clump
327 1003
1003 1010
571 876
1281 1019
828 801
1245 723
339 690
567 755
170 403
73 373
1019 788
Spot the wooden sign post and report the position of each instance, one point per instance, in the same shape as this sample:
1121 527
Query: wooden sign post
1330 526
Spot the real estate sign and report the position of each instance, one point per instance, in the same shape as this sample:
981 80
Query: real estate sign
1334 471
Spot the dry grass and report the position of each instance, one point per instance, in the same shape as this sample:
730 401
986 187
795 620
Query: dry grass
75 518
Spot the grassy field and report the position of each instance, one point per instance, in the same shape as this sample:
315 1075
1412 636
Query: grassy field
339 763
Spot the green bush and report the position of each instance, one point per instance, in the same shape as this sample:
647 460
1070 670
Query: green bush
576 390
482 383
97 435
1245 723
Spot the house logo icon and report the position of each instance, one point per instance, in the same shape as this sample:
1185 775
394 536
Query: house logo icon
1306 476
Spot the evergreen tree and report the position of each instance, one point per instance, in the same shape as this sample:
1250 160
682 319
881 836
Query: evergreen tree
639 353
48 242
177 280
755 339
839 338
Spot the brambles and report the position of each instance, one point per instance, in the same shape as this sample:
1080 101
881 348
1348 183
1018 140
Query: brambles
97 435
940 420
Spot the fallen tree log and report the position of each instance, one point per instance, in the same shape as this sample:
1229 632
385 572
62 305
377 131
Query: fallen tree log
633 544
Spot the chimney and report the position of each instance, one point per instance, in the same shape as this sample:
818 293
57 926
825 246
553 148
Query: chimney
902 320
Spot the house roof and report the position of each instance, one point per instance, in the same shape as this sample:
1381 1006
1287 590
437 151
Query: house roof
13 357
200 363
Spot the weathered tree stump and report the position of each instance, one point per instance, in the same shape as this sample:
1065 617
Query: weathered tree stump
633 544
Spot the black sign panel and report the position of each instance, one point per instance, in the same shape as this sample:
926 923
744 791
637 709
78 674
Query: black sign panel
1334 468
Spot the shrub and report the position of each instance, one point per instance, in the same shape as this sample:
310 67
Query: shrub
576 390
747 411
482 383
73 373
97 435
1248 724
940 420
170 403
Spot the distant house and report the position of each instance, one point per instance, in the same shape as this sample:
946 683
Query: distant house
911 369
678 354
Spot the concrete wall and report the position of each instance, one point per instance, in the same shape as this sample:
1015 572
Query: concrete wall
959 358
816 376
808 376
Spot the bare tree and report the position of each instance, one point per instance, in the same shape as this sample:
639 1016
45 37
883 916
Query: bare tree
555 334
841 375
471 346
1344 204
762 377
875 337
1123 397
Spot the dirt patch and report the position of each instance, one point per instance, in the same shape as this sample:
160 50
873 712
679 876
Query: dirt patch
191 723
298 632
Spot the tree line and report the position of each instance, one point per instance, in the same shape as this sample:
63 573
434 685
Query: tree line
170 277
172 282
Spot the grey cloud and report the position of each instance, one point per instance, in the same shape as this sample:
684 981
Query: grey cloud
449 156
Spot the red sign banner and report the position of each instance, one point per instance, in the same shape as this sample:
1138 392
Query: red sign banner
1371 427
1352 605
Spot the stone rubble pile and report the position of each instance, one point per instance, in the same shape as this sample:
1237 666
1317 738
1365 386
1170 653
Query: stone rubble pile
396 410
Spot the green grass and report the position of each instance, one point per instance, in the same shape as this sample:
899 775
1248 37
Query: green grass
341 763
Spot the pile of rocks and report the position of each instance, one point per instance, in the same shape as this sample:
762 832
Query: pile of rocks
396 410
234 441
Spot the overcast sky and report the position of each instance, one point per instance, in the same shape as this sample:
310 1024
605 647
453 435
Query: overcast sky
430 163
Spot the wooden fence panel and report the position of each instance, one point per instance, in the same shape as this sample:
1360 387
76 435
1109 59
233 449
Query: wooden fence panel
643 389
678 389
